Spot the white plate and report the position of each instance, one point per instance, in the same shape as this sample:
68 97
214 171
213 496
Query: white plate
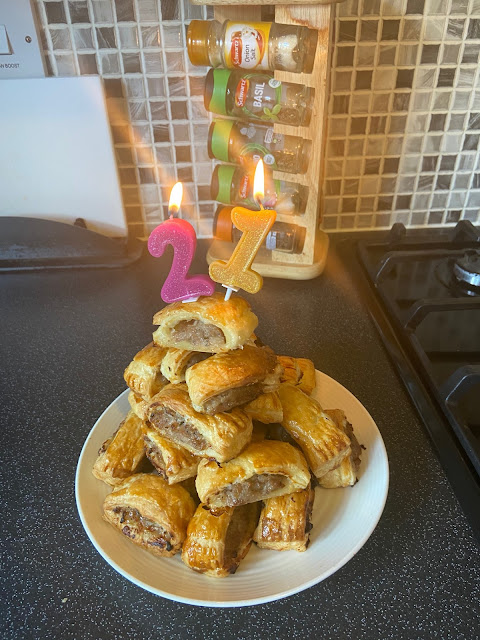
343 520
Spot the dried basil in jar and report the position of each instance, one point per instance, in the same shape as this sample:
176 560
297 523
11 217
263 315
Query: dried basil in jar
257 96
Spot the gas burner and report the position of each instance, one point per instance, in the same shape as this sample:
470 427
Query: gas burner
446 274
467 269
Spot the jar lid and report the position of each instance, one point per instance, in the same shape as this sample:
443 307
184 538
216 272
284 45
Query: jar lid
218 139
197 42
216 90
221 184
222 224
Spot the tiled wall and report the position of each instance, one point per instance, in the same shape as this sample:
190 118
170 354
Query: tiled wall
404 114
404 109
154 96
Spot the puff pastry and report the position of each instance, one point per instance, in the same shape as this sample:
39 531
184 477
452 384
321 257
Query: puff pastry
221 436
322 442
177 361
267 408
172 461
143 374
138 405
259 431
284 523
227 380
123 454
217 543
211 324
345 475
150 512
299 372
263 470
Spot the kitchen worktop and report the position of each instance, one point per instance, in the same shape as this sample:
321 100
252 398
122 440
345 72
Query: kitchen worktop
66 338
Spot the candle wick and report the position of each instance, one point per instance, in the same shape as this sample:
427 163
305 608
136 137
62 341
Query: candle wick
259 203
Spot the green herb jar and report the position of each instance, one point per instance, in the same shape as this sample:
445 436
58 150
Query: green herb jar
257 96
233 185
244 143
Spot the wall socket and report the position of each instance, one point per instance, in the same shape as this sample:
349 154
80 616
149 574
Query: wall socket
20 54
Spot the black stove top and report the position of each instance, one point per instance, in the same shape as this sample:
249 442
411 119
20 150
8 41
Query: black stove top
424 296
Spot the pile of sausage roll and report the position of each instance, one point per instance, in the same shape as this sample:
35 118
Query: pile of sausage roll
223 444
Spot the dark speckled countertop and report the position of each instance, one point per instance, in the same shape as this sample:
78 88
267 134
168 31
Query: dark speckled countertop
67 337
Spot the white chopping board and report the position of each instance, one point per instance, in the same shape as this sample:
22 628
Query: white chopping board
56 153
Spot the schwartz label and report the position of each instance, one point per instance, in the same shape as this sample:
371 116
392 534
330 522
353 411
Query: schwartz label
258 95
246 45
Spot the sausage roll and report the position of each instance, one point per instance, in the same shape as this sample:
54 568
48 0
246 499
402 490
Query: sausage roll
221 436
299 372
177 361
322 442
344 475
150 512
267 408
259 431
138 405
123 454
284 523
211 324
263 470
189 485
172 461
227 380
217 543
143 374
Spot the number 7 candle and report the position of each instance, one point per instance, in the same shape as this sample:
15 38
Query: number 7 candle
237 272
182 237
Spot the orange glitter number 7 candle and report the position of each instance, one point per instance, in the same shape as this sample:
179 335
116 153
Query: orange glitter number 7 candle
237 272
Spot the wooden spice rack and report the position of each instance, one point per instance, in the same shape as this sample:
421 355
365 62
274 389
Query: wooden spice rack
311 262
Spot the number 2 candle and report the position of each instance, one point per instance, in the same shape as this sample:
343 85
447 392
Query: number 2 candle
182 237
237 272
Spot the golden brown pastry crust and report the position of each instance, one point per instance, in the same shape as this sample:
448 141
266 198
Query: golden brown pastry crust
123 454
345 475
255 370
284 523
219 485
267 408
233 318
172 461
143 375
176 362
259 431
222 436
216 543
138 405
322 442
299 372
150 512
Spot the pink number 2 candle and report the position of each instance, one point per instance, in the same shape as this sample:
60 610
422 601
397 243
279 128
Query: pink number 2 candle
182 237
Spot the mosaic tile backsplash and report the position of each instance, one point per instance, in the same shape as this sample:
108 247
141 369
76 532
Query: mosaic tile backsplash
403 114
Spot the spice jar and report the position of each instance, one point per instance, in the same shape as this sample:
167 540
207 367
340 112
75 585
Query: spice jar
257 96
251 45
288 238
244 143
233 185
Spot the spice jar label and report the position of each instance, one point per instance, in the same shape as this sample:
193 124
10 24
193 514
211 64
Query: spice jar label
246 45
255 97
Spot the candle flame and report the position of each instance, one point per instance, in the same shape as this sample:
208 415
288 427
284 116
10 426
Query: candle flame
176 196
259 182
